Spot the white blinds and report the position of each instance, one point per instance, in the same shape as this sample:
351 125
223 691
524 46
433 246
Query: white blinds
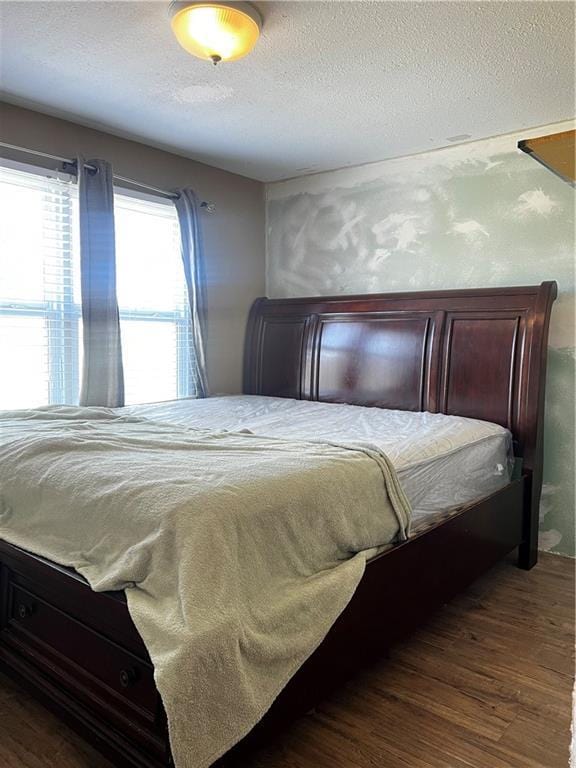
154 309
40 311
39 290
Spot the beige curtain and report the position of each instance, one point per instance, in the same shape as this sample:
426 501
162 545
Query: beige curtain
102 374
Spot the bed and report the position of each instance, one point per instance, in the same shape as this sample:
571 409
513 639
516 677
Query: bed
478 354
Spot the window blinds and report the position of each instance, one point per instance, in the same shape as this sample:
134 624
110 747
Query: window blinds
39 290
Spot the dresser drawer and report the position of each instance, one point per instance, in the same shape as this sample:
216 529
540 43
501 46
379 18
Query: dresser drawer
81 652
94 669
124 675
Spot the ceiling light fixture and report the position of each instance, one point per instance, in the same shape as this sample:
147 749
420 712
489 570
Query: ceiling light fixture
216 31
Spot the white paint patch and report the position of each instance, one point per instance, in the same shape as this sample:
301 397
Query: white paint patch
381 254
397 231
492 164
208 93
549 539
472 231
546 500
421 195
535 201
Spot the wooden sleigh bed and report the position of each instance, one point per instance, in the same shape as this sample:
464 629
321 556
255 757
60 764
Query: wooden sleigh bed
479 353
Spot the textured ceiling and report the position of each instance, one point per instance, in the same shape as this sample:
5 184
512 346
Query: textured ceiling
329 84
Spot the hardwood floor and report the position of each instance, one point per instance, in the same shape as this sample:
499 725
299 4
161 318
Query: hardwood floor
486 684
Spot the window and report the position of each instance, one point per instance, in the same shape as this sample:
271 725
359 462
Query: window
39 290
40 304
153 301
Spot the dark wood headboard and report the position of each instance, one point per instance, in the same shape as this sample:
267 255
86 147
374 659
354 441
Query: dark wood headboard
478 353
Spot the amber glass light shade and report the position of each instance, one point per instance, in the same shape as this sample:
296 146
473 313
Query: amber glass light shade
216 31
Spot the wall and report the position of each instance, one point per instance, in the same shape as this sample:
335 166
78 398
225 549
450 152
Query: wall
480 214
233 236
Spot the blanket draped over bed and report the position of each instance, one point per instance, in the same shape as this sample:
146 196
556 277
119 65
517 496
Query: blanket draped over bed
237 552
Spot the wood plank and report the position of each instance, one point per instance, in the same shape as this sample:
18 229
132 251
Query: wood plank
555 152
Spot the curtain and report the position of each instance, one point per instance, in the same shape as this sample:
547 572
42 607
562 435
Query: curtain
188 209
102 374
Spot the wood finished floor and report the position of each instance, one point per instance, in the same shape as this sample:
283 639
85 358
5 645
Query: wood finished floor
486 684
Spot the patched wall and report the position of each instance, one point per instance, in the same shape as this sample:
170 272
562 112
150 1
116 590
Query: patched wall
479 214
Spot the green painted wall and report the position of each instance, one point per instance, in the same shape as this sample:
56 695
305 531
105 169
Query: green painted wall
480 214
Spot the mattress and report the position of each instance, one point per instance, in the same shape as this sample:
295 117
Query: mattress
443 462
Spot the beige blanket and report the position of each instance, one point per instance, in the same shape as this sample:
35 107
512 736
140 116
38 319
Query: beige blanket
237 552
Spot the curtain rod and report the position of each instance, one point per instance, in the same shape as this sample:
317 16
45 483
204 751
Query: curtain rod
208 207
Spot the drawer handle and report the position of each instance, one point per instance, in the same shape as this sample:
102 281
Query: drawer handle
128 677
25 610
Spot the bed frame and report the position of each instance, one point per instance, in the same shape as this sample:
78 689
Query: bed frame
478 353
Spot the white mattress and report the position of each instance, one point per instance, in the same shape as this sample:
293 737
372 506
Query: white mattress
443 462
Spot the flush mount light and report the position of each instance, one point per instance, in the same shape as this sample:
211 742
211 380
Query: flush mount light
216 31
